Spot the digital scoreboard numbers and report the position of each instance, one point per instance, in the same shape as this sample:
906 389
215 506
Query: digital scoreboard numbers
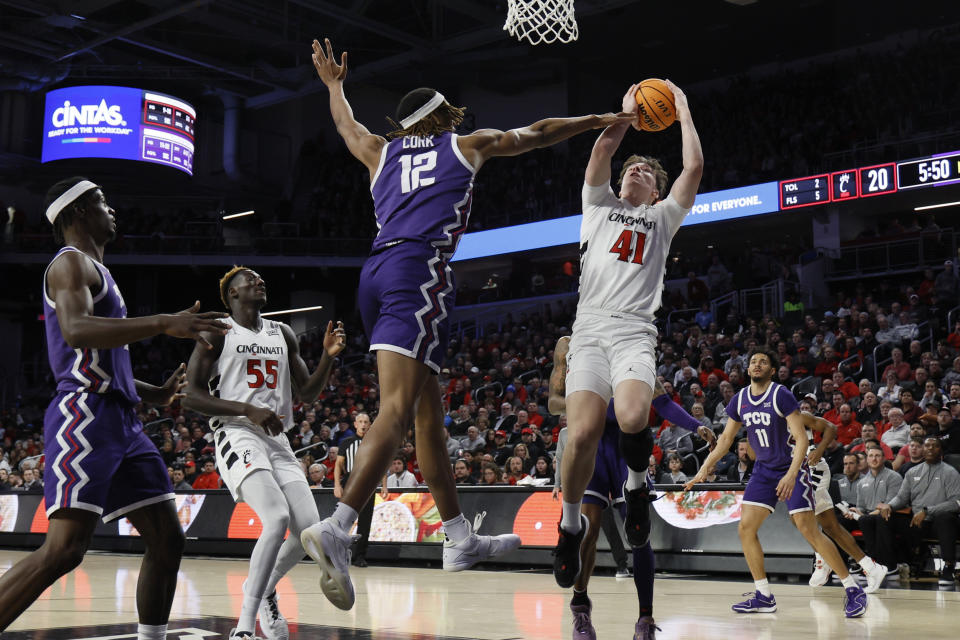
929 172
878 180
804 192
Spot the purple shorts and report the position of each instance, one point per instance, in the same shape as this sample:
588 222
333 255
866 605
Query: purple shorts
406 292
98 458
609 471
761 489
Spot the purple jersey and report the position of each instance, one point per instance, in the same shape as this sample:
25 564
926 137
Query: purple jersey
422 191
90 370
766 421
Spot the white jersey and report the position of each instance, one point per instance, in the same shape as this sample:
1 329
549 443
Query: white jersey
623 251
254 368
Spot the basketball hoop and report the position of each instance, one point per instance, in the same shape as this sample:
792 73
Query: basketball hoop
541 21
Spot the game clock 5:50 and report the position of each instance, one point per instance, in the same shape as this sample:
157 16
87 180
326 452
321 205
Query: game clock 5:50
928 171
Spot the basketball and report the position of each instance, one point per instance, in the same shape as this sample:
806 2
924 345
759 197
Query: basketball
656 108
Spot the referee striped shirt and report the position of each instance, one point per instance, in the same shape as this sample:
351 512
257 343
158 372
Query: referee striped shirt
348 451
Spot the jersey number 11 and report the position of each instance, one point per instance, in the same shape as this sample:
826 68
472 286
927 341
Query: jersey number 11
624 243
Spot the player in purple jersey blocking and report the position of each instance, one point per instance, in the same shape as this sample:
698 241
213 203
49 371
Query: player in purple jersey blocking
422 185
99 460
778 437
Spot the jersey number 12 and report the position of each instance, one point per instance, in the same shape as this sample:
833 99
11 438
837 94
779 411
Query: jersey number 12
625 242
412 169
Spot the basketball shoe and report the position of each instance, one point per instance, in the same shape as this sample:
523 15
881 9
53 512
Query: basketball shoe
272 622
875 577
582 624
242 635
329 546
854 602
566 555
458 556
645 629
757 603
821 572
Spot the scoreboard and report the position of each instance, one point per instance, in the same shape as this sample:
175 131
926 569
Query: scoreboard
875 180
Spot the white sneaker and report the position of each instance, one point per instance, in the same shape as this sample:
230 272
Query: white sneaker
875 578
466 553
329 546
272 622
242 636
821 572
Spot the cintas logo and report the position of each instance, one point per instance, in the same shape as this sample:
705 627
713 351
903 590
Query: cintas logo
89 114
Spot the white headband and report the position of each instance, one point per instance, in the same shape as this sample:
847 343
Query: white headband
68 197
420 113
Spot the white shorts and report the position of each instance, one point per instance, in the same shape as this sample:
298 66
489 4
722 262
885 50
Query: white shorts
608 348
242 450
821 478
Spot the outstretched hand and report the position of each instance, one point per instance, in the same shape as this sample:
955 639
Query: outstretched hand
630 99
335 339
607 119
325 64
189 323
172 389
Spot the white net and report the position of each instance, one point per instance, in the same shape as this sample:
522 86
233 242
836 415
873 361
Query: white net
541 21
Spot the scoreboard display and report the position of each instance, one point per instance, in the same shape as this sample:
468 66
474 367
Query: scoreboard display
865 182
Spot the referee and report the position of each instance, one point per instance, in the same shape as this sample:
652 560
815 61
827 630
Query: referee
346 457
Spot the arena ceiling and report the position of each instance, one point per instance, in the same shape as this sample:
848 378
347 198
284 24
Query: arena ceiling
259 50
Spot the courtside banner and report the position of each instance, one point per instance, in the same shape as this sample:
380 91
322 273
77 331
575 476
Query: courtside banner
683 522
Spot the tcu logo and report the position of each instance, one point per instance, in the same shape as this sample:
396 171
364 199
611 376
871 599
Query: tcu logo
756 418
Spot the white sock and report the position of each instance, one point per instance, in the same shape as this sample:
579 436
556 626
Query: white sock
456 529
636 479
570 518
763 586
151 632
344 515
248 614
848 581
867 564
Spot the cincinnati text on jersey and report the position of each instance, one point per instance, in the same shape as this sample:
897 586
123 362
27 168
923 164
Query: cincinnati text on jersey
256 348
616 216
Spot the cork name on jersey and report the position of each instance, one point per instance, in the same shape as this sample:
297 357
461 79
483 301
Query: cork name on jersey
417 142
259 349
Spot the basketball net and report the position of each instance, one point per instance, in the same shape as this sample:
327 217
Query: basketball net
541 21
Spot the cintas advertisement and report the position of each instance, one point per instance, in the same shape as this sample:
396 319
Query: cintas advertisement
118 122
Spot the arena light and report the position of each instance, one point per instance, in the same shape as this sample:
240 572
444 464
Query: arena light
238 215
937 206
288 311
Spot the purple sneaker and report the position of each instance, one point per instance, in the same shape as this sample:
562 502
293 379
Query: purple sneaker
757 603
854 602
645 629
582 625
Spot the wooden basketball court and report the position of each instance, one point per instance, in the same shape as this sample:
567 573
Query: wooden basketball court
98 602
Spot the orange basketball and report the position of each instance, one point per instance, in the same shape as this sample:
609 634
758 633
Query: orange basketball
656 108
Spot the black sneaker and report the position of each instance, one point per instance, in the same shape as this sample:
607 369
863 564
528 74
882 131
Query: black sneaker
636 523
359 561
566 555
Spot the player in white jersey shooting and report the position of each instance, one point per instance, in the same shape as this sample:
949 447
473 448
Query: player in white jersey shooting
243 383
624 243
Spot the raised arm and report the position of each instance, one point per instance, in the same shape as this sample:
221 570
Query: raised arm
684 189
598 168
69 280
199 399
308 386
724 442
557 402
484 144
364 145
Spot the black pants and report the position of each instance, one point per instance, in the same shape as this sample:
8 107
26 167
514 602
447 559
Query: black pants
608 523
879 535
364 519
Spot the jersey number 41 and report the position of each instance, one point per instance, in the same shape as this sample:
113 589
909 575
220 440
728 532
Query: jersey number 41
622 247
